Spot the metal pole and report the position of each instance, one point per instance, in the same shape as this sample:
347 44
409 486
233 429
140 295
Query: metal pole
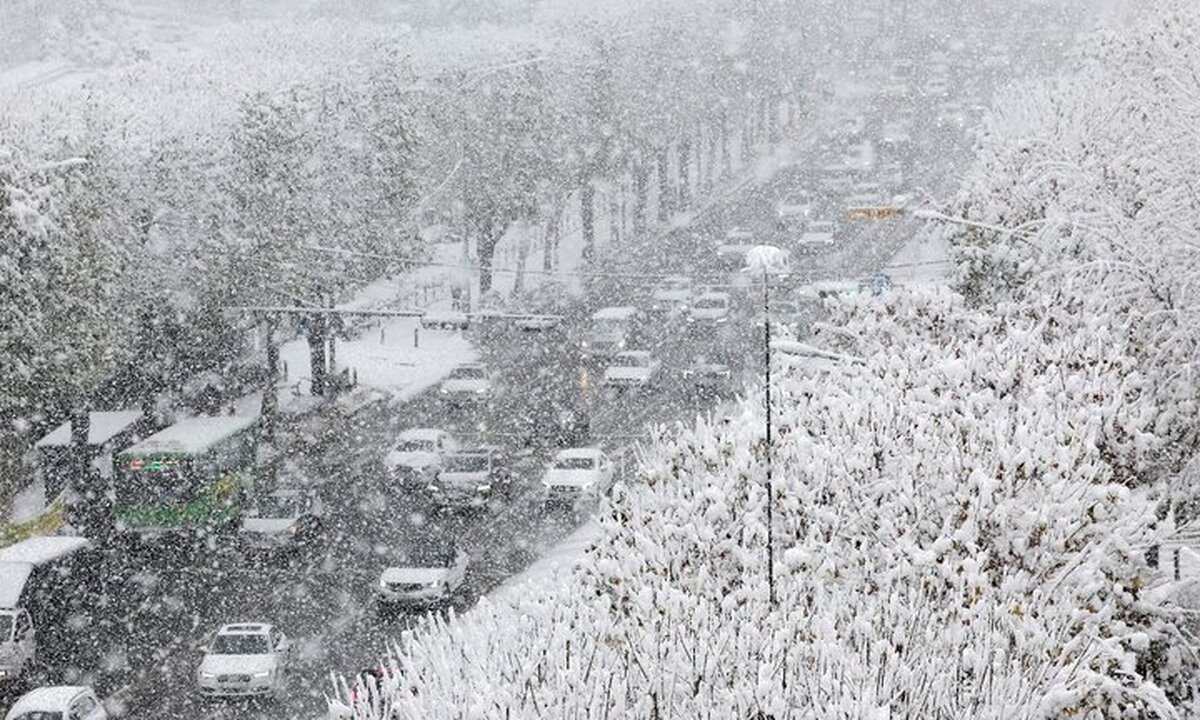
770 490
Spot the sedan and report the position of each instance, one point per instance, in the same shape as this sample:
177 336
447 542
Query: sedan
244 659
287 519
632 368
466 383
578 472
426 577
76 702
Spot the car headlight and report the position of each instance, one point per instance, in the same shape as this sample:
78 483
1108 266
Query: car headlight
262 674
443 390
207 675
481 391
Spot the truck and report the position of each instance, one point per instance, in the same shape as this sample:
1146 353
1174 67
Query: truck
41 579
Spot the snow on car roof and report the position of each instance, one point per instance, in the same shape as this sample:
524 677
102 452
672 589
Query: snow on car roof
718 295
421 434
194 435
244 629
54 698
38 550
102 427
579 453
623 312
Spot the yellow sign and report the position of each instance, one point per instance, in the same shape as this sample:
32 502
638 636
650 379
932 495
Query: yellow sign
872 213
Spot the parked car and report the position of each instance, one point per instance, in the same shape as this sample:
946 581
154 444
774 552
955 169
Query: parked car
610 330
471 475
245 659
467 383
418 454
58 702
631 368
425 577
711 307
286 519
577 472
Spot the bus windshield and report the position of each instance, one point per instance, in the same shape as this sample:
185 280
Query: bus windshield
167 482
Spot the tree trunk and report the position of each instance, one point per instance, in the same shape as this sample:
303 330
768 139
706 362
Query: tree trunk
550 244
316 353
685 161
773 120
81 452
270 398
664 183
485 245
587 217
723 141
641 188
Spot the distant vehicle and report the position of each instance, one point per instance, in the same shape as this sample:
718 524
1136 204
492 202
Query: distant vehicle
783 313
556 424
287 519
191 477
243 660
631 368
819 235
43 581
426 577
705 376
445 319
849 128
710 307
951 116
895 137
544 306
471 475
418 454
793 209
59 702
576 473
611 330
467 383
937 87
671 295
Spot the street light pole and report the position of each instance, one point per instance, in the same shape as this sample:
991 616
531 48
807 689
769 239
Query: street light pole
769 449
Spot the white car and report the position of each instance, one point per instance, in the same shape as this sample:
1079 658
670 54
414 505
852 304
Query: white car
285 519
795 208
710 307
72 702
18 645
472 381
244 659
631 368
418 454
672 295
427 577
819 235
576 472
471 475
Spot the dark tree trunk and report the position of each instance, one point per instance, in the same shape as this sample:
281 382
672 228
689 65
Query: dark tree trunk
685 161
486 245
81 452
587 216
773 120
664 183
316 352
270 398
641 186
550 241
723 141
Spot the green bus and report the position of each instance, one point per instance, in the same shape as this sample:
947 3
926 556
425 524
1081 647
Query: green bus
191 477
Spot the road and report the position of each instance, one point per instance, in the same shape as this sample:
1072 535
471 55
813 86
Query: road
143 640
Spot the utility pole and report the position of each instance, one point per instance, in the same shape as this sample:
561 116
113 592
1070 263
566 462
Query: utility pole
270 398
769 449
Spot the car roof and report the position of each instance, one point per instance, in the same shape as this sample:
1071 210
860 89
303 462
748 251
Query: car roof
615 313
244 629
579 453
422 434
55 697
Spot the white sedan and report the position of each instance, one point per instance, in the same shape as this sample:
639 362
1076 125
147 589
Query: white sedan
76 702
472 381
631 368
427 577
710 307
244 659
577 472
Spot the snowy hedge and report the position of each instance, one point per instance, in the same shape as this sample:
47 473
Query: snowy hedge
960 521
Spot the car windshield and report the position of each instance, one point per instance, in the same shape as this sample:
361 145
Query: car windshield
240 644
466 463
675 284
575 463
415 446
820 227
7 623
39 715
276 506
710 303
468 373
433 555
630 361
